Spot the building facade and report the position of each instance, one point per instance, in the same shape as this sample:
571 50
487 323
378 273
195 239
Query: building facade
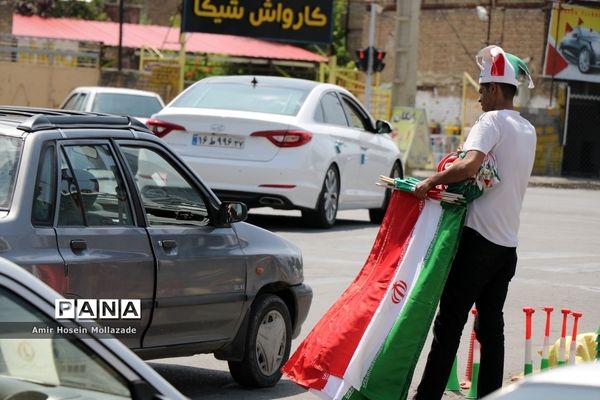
451 32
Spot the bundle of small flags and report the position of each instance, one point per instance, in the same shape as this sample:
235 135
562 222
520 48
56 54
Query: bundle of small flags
409 184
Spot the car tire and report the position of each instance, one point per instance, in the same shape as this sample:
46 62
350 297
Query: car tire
584 61
327 204
376 214
268 343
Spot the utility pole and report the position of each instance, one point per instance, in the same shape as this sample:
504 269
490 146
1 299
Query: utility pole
406 52
120 50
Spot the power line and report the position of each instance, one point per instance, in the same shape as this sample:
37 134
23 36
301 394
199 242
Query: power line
467 52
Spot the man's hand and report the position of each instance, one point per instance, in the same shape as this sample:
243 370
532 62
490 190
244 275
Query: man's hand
459 170
422 188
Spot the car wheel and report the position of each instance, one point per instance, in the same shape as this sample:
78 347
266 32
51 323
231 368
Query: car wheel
327 205
583 62
268 344
376 214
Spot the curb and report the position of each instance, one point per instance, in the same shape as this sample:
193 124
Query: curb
568 184
555 182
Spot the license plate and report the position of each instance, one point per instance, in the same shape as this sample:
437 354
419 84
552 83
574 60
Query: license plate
214 140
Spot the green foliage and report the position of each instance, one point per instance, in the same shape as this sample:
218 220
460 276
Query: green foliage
61 8
201 68
338 43
340 13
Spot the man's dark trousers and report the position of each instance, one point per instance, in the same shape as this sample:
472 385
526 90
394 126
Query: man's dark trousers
480 275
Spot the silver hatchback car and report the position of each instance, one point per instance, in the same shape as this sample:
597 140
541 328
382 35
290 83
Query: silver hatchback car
99 208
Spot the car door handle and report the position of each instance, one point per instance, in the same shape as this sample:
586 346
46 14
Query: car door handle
168 244
78 245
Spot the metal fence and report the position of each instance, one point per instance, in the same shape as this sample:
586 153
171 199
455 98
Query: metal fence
45 51
351 79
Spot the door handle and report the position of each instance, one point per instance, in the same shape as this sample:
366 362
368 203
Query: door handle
168 244
78 245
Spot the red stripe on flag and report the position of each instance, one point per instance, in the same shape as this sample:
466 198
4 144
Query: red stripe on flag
328 348
498 65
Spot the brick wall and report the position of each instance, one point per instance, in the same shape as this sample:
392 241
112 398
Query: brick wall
451 34
450 39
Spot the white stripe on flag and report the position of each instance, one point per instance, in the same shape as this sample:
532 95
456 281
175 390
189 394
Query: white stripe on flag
387 312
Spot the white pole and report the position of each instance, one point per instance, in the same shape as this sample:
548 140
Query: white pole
370 55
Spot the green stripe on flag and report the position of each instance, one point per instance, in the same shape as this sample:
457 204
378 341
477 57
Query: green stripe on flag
391 373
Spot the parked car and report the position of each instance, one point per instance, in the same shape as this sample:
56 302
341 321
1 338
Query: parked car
573 382
283 143
140 104
581 46
99 208
39 365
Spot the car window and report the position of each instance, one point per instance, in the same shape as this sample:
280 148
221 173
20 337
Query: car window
243 97
319 113
357 119
51 360
71 102
333 113
168 197
76 102
126 104
44 191
92 189
10 153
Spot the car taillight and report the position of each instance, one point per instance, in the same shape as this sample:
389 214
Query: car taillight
162 128
285 138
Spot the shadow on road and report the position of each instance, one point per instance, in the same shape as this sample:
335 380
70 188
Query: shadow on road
200 383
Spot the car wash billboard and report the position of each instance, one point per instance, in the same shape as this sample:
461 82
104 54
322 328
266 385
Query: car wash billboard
305 21
573 50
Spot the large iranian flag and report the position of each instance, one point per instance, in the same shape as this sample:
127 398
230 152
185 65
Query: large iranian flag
369 341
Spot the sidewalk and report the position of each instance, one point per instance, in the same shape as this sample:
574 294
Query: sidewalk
540 181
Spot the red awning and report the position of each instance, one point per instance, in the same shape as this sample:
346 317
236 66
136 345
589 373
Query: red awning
158 37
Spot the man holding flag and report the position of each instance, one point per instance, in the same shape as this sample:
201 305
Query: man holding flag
486 258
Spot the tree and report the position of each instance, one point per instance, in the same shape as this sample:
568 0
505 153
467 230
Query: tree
338 43
91 10
340 17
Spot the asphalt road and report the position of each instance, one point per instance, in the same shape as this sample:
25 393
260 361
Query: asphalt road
559 266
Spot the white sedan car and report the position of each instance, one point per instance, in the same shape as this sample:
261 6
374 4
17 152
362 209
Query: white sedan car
283 143
140 104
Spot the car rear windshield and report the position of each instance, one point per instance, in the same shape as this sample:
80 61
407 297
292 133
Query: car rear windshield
243 97
126 104
10 153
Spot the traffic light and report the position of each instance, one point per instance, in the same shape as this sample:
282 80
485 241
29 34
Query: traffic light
363 59
378 57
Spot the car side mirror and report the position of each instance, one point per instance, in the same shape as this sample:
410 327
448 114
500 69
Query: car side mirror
233 211
141 390
383 126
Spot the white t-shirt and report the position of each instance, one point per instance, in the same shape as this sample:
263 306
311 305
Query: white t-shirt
511 139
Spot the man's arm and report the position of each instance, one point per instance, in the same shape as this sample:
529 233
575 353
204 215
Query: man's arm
459 170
